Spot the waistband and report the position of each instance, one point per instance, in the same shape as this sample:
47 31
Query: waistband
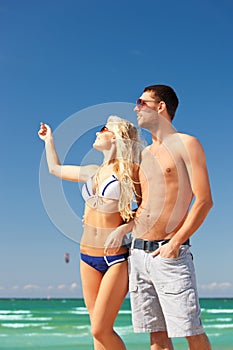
150 246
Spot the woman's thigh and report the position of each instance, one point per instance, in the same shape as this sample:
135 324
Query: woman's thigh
112 291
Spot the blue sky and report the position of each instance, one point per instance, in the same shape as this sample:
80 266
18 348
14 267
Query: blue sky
60 57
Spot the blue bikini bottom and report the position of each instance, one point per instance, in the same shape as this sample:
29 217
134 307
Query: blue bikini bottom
103 263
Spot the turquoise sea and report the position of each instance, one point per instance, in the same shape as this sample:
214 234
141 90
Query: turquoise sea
34 324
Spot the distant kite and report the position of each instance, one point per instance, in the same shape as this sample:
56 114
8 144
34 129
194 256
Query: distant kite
67 257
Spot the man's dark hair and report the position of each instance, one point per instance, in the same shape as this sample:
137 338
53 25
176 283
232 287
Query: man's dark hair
167 94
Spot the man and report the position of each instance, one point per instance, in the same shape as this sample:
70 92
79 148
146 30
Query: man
173 174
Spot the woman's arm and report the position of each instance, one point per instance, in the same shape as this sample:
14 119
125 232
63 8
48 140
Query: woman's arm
66 172
114 240
137 185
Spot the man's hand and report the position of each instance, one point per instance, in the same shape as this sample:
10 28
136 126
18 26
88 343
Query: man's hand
168 250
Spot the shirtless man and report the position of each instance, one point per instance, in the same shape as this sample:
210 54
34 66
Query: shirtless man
173 174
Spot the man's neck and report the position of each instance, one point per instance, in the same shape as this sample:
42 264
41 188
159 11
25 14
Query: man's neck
162 132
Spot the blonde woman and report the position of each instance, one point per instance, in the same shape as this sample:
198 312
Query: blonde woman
108 191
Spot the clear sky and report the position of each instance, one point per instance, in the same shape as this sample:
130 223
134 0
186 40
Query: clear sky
59 57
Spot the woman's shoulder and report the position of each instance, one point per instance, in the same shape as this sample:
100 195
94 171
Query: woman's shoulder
89 171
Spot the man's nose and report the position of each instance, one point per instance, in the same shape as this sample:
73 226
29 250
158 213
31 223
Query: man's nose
136 108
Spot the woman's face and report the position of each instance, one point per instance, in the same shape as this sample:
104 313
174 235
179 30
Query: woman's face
104 139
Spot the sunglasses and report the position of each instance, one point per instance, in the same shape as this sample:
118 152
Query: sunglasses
104 129
140 102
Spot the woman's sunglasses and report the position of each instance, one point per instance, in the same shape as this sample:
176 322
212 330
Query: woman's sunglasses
104 129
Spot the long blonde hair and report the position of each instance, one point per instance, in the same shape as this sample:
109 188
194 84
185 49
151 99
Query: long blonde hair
128 150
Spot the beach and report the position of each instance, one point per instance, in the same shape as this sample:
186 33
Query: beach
50 324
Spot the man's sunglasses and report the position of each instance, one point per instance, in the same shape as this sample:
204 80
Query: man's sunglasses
140 102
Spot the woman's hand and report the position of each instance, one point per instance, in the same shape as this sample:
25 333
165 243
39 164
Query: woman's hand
114 240
45 132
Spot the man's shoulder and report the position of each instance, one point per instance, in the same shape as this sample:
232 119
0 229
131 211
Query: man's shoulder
191 144
188 139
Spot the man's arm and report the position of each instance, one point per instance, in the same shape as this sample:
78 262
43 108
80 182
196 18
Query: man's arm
196 165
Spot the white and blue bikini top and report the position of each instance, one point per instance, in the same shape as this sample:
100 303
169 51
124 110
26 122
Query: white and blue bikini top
109 189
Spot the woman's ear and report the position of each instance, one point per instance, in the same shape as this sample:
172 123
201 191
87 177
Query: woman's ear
113 139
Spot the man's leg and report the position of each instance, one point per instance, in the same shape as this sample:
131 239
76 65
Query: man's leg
147 315
199 342
160 341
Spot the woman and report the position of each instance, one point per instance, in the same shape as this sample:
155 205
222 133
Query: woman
108 191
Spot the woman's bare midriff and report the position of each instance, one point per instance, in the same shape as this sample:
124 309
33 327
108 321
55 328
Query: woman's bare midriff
97 227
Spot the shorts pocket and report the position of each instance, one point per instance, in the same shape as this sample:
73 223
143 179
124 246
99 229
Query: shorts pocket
183 252
133 287
177 286
181 297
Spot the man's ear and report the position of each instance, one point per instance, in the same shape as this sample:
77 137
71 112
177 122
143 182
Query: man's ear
162 106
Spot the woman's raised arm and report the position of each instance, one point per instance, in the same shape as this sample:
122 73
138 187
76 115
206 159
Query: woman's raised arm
66 172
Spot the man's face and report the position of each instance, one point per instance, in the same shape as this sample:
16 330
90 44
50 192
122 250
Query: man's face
147 110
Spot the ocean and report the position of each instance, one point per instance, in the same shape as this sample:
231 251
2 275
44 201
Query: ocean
41 324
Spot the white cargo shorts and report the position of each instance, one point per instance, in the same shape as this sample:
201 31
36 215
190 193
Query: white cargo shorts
163 293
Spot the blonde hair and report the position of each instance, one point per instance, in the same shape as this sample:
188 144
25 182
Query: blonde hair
128 150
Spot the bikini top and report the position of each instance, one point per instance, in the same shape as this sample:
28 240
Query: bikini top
107 197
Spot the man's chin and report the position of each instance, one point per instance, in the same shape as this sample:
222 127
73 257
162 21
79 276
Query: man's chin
140 123
139 120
